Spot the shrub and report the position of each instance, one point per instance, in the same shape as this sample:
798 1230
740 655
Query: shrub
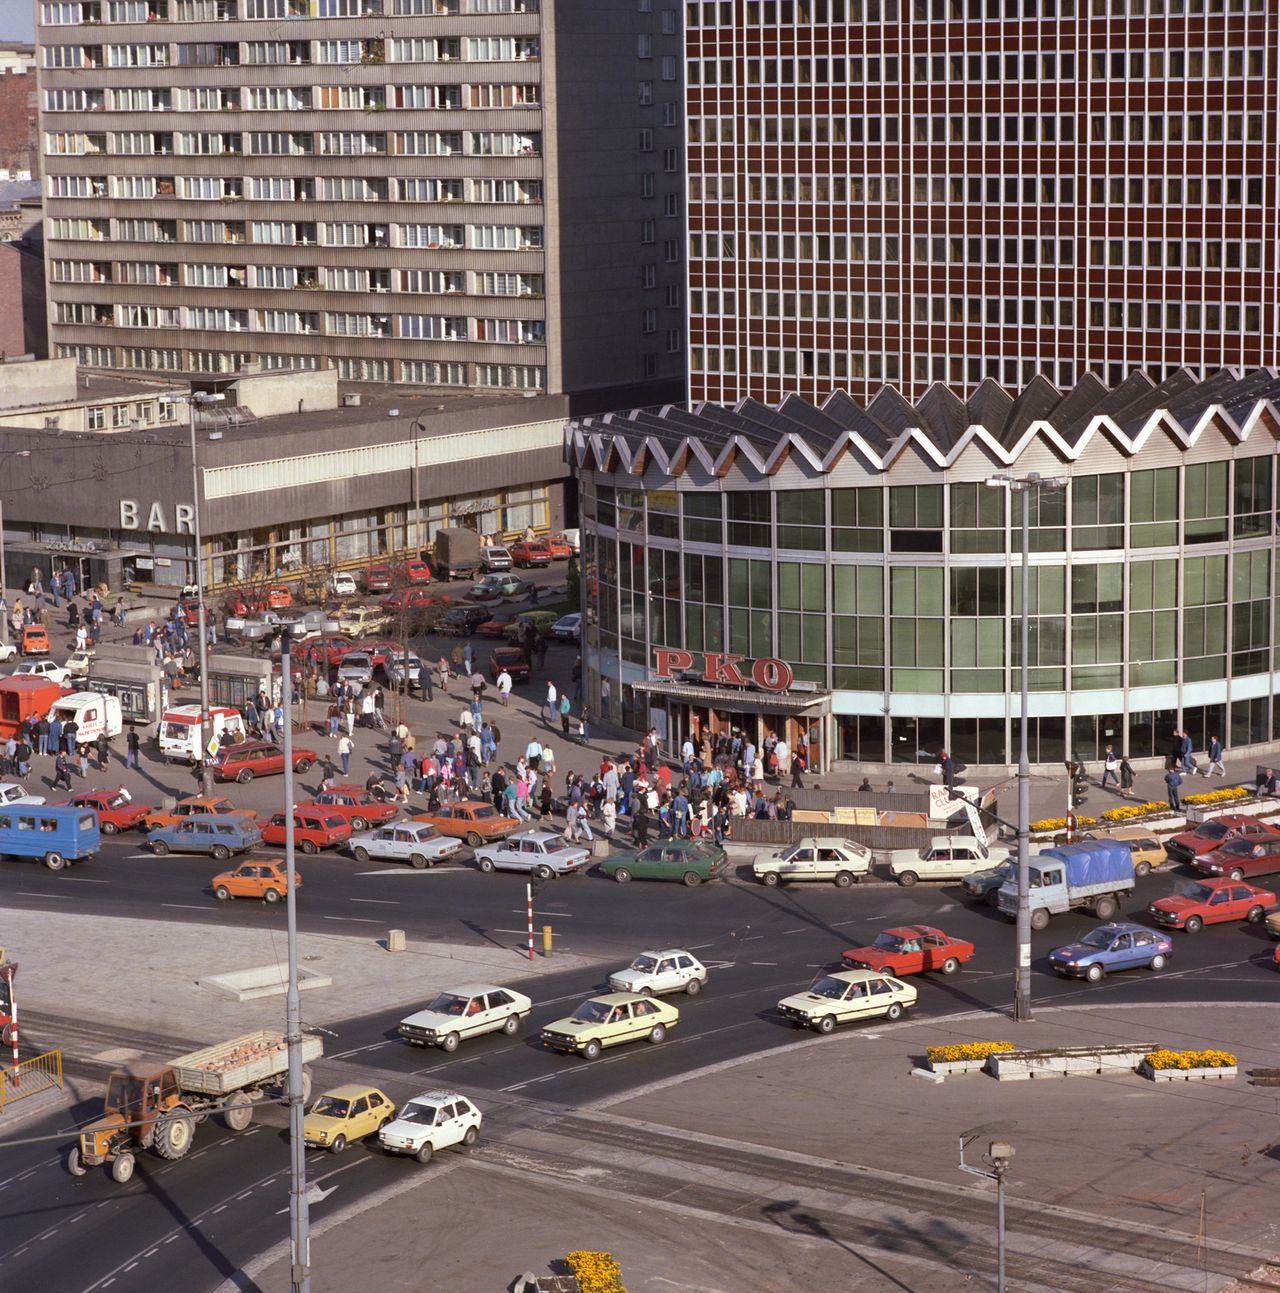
965 1051
596 1272
1224 796
1166 1059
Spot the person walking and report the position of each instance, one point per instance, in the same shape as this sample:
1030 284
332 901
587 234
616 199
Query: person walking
582 726
104 750
84 762
1173 785
566 708
326 772
1186 750
61 772
551 703
640 825
1110 767
131 744
345 747
947 769
798 764
1126 777
504 688
1215 757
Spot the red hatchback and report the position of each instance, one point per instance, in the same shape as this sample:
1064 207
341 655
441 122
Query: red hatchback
1242 858
415 571
1214 833
355 805
252 759
313 829
1211 902
911 949
530 552
115 808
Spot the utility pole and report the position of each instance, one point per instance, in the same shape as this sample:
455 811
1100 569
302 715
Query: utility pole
206 727
997 1159
299 1214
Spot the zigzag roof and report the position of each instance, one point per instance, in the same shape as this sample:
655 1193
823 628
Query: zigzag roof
940 425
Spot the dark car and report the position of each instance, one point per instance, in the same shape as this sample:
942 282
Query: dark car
1214 833
462 621
513 660
1241 858
1118 946
691 861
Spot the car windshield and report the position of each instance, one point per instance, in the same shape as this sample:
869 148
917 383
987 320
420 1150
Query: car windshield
1239 848
887 942
449 1003
1214 831
118 800
329 1106
421 1113
426 831
1198 892
826 986
645 964
1098 938
591 1012
793 852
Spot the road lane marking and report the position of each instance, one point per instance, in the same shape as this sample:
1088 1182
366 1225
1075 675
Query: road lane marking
454 870
771 963
519 911
382 902
84 879
27 893
360 1050
360 920
184 906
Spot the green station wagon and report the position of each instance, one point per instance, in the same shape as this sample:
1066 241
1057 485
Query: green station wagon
690 861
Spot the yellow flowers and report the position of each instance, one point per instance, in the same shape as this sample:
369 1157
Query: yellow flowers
1224 796
1166 1059
596 1272
1059 823
1130 811
965 1051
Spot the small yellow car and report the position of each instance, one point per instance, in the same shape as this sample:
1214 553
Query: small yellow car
846 995
610 1020
345 1114
1147 849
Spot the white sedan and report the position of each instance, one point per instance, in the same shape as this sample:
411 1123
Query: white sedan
429 1122
43 669
838 860
543 853
949 857
464 1012
418 843
13 792
398 667
672 970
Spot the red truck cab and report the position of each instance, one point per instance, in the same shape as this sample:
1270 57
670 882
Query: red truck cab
22 698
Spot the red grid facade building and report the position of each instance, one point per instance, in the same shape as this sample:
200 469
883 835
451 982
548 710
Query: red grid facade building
906 192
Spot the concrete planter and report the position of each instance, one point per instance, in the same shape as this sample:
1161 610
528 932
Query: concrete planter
950 1068
1187 1075
1020 1066
1253 807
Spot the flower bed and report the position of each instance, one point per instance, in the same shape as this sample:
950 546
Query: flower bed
1223 796
1059 823
963 1057
596 1272
1188 1066
1131 811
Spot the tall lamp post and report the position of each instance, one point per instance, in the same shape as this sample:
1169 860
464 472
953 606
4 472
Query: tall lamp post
199 399
1024 485
997 1159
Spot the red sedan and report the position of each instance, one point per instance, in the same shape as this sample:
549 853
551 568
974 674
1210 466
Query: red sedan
911 949
355 805
313 829
1214 833
115 808
331 650
1211 902
496 627
408 598
1241 858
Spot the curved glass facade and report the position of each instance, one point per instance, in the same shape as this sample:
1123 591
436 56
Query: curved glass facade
897 592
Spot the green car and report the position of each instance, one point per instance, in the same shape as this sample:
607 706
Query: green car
984 886
541 620
691 861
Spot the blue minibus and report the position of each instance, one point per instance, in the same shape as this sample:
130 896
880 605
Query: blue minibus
55 834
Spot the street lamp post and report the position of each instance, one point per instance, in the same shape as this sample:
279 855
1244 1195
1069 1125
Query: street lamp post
1024 485
997 1159
206 727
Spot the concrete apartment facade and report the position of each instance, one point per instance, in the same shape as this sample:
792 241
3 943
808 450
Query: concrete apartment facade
441 193
906 192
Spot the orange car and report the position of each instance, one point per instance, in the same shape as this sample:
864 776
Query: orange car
193 806
560 549
265 878
35 640
472 821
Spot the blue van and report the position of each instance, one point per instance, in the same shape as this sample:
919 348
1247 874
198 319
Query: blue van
56 834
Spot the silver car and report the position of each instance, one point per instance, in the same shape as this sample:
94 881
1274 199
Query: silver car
400 665
543 853
418 843
356 667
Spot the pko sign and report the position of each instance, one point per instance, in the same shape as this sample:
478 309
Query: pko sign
770 674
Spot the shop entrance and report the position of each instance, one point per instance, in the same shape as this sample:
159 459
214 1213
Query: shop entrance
699 723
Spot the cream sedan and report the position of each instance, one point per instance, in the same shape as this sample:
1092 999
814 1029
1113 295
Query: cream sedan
465 1012
838 860
845 996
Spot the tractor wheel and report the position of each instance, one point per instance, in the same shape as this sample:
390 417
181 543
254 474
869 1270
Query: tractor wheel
122 1169
173 1135
75 1164
237 1113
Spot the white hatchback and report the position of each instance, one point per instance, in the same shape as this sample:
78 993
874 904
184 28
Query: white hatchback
466 1011
672 970
429 1122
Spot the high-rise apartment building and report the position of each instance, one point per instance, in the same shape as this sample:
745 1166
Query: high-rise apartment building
461 193
914 191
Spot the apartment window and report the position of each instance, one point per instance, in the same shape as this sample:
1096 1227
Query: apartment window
643 88
644 45
648 321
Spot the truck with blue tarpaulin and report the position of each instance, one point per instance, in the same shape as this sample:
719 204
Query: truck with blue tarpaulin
1096 874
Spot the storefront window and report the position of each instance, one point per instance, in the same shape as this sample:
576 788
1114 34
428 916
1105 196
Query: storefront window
915 518
749 514
1206 502
977 518
523 509
1151 732
1252 498
857 520
1097 512
662 514
1250 722
1092 733
978 740
918 741
802 520
1153 508
860 737
702 519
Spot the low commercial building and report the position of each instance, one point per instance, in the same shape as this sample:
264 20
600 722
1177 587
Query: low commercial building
847 574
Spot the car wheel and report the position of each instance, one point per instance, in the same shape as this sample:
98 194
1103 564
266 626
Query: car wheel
771 879
109 828
907 879
827 1024
993 897
543 872
658 1033
339 1144
1095 973
591 1050
473 840
844 879
222 893
1193 925
692 879
361 854
1255 915
245 776
950 965
308 846
1235 874
622 875
895 1011
1159 961
449 1043
418 862
470 1136
272 895
358 824
159 848
511 1025
424 1154
1039 919
1142 870
486 865
220 852
693 987
304 765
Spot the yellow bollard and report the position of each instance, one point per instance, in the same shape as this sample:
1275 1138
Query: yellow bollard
546 940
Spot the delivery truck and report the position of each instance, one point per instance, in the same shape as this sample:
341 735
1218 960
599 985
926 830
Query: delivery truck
458 554
158 1109
94 713
23 698
180 737
1096 875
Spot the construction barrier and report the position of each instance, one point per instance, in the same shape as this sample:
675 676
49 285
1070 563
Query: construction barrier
30 1077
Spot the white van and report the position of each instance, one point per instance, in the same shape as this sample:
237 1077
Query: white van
180 730
342 583
93 714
